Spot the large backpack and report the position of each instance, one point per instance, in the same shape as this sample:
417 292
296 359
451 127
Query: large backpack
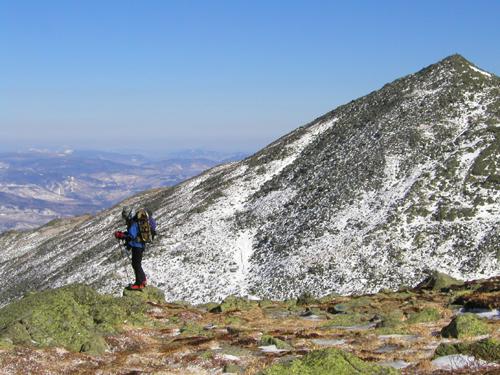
147 225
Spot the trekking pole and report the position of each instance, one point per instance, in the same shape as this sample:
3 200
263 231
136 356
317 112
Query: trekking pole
124 251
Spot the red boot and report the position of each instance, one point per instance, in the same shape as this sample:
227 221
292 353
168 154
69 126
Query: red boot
136 287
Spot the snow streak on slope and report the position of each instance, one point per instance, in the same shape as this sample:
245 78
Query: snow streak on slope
480 71
219 254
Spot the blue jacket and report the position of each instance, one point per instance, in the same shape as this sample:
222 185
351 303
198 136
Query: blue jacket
132 234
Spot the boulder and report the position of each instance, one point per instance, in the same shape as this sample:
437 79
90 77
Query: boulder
234 303
339 308
327 362
391 319
74 317
466 325
488 349
426 315
346 320
147 294
438 281
270 340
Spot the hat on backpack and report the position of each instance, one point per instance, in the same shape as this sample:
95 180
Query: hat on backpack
128 213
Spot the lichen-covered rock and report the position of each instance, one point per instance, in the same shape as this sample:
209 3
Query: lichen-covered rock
149 294
488 349
74 317
46 319
339 308
346 320
328 362
270 340
466 325
355 304
391 319
233 303
438 281
425 315
95 345
207 306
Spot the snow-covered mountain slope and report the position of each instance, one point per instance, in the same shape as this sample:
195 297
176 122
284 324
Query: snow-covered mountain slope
368 196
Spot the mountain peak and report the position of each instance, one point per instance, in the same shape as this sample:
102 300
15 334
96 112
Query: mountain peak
459 66
457 62
455 58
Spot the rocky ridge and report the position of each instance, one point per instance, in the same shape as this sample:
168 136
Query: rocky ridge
372 195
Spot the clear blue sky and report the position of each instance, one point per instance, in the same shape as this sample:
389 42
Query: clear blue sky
226 75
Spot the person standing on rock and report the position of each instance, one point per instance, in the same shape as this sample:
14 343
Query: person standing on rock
140 230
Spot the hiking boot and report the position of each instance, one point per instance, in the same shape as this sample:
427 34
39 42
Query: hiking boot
136 287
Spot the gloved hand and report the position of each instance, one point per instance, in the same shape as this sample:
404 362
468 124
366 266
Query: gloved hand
120 235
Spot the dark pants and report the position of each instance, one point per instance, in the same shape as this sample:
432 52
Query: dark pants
140 276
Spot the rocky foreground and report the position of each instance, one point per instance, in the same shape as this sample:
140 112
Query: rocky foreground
441 326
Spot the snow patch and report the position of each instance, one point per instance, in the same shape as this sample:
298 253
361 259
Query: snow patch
480 71
243 254
459 361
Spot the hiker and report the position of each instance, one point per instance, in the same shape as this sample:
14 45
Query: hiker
140 230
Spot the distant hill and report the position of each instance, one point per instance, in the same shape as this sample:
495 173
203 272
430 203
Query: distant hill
38 186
